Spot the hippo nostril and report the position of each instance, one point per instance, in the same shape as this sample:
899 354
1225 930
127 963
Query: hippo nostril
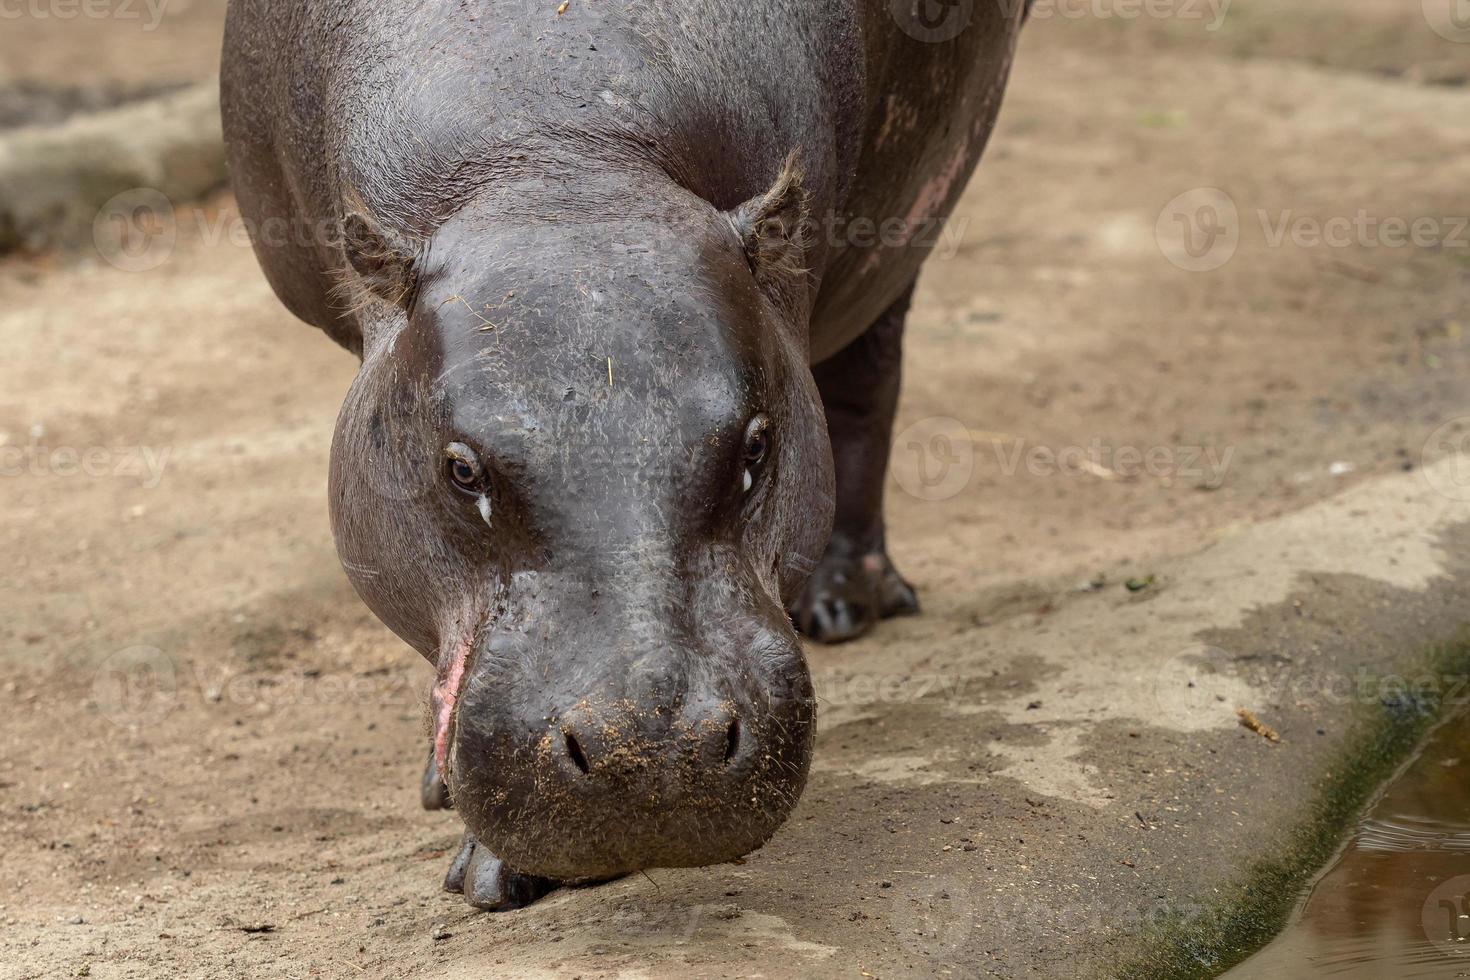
732 740
574 749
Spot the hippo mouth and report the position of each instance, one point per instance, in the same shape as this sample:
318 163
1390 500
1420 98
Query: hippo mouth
453 669
574 777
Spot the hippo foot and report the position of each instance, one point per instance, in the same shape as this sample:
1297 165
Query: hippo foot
848 594
433 794
486 883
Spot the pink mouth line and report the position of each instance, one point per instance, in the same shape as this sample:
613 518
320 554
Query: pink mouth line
443 699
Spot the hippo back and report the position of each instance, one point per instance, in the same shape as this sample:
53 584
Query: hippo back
411 110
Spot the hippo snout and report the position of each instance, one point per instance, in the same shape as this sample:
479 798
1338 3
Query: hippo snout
614 780
609 750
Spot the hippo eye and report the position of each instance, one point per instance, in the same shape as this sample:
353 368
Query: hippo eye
463 468
757 448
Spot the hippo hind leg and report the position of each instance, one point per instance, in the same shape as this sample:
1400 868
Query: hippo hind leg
855 584
481 877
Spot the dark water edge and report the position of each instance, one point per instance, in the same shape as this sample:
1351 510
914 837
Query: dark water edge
1253 913
1396 902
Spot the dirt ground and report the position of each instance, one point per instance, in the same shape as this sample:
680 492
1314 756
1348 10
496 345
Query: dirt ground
257 815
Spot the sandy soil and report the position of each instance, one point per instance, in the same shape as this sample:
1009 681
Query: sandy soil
256 814
120 44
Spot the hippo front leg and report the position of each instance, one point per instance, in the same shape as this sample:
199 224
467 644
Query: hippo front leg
855 583
433 794
481 877
486 883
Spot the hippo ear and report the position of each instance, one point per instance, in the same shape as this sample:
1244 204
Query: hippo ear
385 263
775 229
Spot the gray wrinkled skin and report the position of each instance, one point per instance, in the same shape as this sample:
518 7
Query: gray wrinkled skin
590 260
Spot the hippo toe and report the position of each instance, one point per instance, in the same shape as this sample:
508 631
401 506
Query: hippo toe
848 594
488 884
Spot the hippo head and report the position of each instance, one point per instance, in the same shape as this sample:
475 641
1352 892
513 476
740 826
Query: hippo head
582 467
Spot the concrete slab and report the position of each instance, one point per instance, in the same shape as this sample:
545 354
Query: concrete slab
1072 793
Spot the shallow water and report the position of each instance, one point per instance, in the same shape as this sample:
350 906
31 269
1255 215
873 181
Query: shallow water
1396 904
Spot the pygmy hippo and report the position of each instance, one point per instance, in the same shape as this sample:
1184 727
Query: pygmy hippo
628 282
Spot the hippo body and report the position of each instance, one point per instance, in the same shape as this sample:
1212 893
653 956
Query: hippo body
628 280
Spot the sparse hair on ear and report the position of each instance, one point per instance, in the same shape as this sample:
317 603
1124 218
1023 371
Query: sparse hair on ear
775 230
385 263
